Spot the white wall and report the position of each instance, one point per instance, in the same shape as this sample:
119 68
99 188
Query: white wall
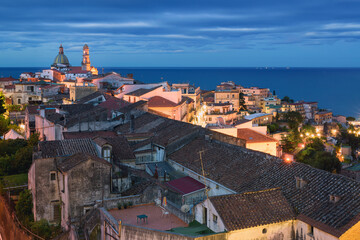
214 188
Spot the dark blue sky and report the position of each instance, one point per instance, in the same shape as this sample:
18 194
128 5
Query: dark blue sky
144 33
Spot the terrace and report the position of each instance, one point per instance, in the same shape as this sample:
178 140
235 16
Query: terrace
155 217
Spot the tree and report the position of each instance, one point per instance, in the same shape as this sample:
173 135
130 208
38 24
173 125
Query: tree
274 93
2 103
316 144
350 119
242 101
42 228
24 206
4 125
294 120
287 99
308 128
314 154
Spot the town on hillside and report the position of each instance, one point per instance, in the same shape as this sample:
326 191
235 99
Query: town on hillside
86 155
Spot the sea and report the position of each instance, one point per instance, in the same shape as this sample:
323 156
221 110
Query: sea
335 89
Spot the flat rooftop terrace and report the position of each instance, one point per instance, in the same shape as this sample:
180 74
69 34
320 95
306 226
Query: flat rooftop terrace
155 218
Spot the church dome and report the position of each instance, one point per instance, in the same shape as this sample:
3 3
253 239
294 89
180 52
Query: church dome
61 58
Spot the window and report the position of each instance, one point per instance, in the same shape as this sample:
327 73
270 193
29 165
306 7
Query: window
310 230
106 153
215 218
56 213
52 176
19 101
63 183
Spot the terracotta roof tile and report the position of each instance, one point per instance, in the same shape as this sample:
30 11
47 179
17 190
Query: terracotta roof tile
141 91
158 101
250 136
243 170
240 211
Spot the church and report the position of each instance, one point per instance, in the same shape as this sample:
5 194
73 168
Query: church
61 63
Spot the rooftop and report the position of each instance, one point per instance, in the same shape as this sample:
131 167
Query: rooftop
88 134
256 115
185 185
156 220
58 148
164 130
158 101
78 158
240 211
354 168
243 170
142 91
251 136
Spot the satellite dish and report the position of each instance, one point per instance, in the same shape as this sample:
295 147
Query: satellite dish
185 208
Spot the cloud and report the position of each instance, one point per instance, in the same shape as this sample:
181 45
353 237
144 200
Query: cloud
337 26
235 29
176 27
102 25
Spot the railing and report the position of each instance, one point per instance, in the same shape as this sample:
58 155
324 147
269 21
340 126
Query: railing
174 209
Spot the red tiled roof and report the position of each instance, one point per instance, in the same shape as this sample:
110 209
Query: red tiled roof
76 70
113 103
7 79
185 185
158 101
250 136
9 87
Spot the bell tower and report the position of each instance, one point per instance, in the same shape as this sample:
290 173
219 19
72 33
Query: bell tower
85 64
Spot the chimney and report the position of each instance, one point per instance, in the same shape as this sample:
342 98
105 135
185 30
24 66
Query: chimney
300 182
334 198
132 123
208 137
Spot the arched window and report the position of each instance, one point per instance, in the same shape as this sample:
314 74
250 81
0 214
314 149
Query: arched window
106 153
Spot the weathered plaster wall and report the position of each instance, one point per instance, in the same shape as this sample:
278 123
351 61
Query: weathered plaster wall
275 231
85 187
45 191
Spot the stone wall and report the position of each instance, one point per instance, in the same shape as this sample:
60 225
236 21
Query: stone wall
227 139
9 229
111 203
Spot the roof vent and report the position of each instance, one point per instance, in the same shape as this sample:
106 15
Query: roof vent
208 137
334 198
300 182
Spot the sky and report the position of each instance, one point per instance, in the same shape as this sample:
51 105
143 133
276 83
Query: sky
186 33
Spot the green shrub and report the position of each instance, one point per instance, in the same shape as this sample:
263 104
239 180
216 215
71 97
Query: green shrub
125 205
42 228
130 204
119 206
24 206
